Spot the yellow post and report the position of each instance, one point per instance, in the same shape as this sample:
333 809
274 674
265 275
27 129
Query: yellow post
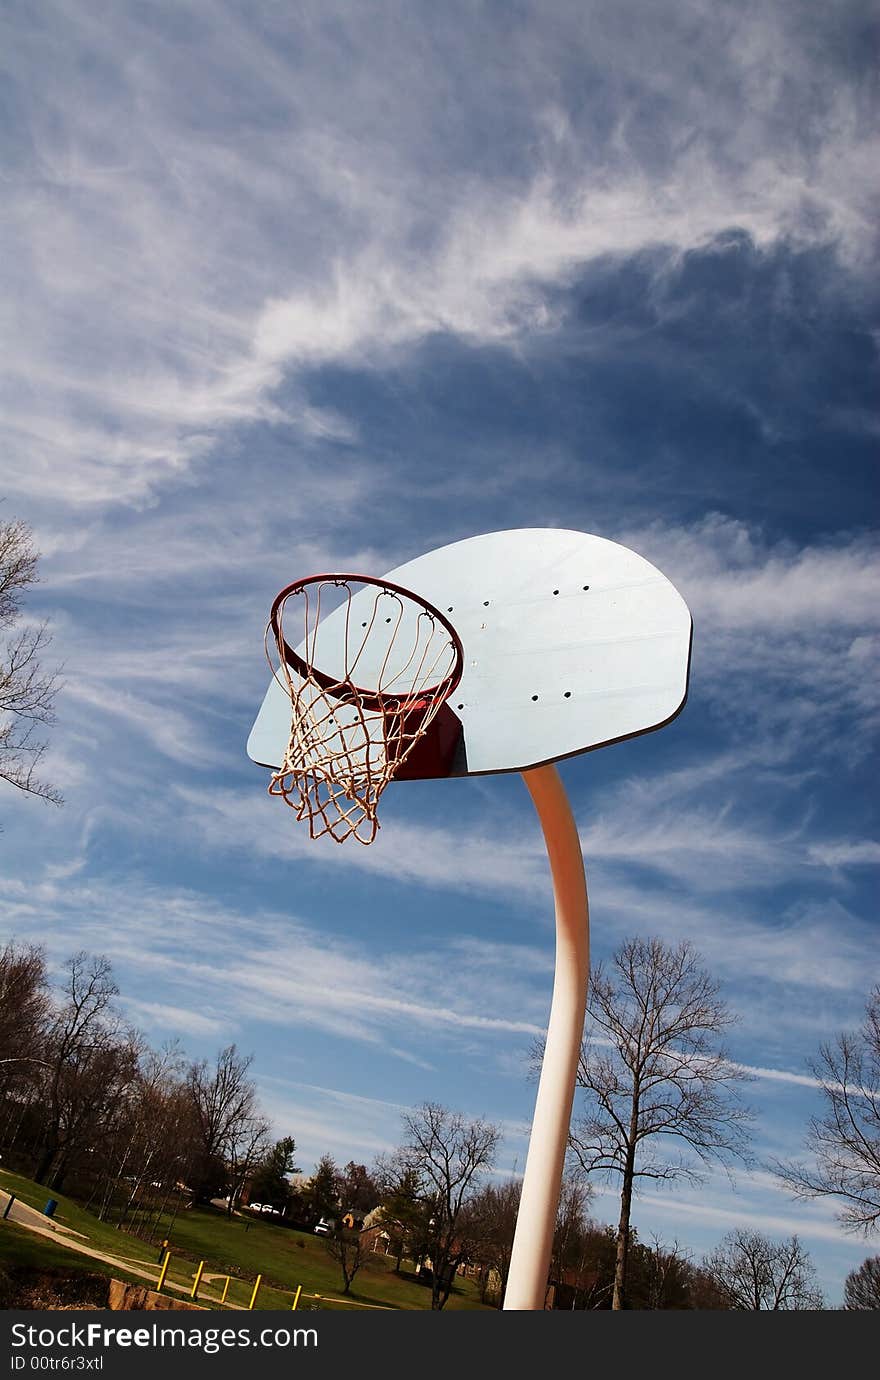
198 1280
225 1289
299 1290
256 1291
163 1272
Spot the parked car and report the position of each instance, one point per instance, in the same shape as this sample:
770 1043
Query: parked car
324 1227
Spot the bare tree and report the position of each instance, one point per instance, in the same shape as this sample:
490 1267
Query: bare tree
247 1147
163 1152
449 1154
492 1222
572 1229
654 1071
24 1014
861 1291
346 1248
24 1005
401 1199
844 1144
95 1101
27 691
78 1045
755 1273
227 1119
667 1275
154 1146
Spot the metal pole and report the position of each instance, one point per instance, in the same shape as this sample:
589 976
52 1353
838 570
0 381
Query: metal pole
163 1272
536 1221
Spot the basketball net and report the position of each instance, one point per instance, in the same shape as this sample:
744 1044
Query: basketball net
347 740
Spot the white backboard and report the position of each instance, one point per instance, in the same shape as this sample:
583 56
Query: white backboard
570 642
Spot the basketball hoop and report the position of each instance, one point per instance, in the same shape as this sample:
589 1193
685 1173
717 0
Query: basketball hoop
347 739
563 642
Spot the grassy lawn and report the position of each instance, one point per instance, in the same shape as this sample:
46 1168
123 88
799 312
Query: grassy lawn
18 1246
102 1235
286 1258
237 1246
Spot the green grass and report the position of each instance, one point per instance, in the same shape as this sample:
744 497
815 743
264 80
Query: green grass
286 1258
102 1235
18 1246
236 1246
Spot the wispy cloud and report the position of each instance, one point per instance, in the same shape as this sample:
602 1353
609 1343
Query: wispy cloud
429 855
847 853
752 1214
787 638
801 1080
175 1020
733 576
293 974
175 734
324 1119
336 218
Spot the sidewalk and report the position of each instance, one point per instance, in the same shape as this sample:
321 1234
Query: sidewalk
31 1217
40 1225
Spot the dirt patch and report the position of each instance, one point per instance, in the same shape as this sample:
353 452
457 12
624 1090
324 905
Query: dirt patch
28 1286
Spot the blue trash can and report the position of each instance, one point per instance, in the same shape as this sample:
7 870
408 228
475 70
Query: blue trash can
49 1209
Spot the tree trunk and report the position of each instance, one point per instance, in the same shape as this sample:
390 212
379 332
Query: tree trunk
59 1174
10 1144
618 1299
113 1181
443 1281
444 1295
44 1164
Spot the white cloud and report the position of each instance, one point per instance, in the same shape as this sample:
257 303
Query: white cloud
790 968
330 1121
756 1215
288 973
801 1080
159 1017
700 828
847 853
702 847
167 728
428 855
786 639
735 579
172 259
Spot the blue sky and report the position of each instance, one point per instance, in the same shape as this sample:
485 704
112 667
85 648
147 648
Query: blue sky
295 288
